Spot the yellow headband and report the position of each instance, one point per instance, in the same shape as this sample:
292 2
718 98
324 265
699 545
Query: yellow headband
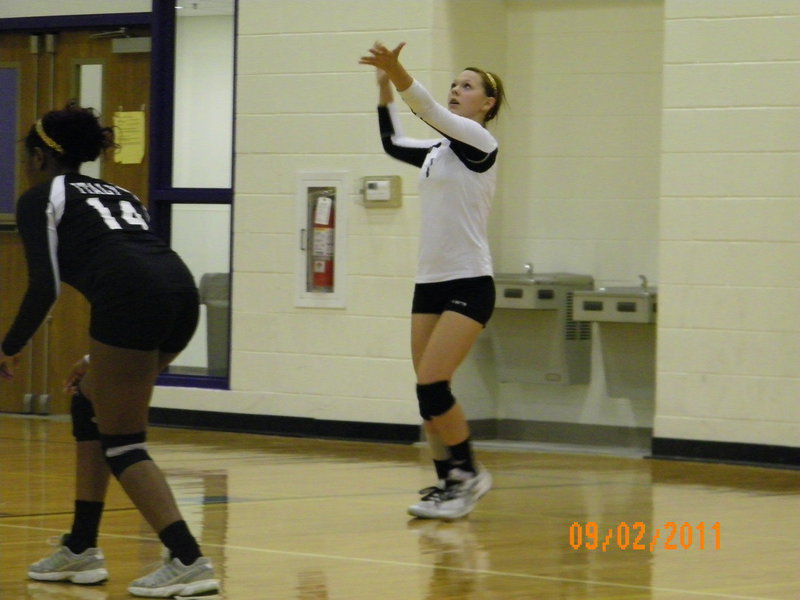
492 81
47 139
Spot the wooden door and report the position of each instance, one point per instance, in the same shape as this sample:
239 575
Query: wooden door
49 78
15 55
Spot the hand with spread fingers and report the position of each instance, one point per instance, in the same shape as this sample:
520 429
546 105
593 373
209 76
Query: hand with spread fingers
381 57
388 61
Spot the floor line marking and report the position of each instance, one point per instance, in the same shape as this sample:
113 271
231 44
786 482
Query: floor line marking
399 563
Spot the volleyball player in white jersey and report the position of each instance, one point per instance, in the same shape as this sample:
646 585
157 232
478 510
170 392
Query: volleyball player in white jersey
454 290
95 236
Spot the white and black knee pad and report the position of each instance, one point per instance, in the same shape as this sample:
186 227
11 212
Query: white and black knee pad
122 451
84 425
435 399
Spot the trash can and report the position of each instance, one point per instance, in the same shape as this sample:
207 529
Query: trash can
215 293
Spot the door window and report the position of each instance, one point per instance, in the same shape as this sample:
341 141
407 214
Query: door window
203 133
192 192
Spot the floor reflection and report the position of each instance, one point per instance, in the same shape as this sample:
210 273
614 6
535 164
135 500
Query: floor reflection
312 585
457 555
65 591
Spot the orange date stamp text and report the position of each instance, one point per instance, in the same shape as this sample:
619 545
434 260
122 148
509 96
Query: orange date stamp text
638 536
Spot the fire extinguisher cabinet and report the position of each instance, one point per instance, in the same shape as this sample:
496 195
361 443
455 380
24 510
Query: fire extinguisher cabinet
322 239
322 199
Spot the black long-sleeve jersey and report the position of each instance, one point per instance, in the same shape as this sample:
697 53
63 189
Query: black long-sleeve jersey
94 236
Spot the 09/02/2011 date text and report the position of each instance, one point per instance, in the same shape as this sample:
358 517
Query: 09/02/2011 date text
638 536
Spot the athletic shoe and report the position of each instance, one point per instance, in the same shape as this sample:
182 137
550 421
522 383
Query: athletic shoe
459 497
86 568
478 483
429 497
174 578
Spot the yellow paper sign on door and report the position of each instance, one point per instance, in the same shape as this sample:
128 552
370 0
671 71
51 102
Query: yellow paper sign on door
129 134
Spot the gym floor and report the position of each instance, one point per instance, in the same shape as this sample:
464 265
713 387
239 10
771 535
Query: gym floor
289 518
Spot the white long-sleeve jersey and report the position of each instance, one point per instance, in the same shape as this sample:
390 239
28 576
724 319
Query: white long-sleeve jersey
457 183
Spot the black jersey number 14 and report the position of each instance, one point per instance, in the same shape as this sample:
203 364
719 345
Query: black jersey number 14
128 215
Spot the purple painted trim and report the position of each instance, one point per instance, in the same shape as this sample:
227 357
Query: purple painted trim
9 86
198 381
43 24
195 195
234 99
162 96
161 202
233 136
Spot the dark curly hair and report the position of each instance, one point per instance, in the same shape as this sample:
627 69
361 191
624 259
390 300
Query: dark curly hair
72 135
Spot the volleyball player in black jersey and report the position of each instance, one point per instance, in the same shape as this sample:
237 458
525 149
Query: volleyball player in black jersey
95 236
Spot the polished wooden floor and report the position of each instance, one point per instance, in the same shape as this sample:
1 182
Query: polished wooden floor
286 518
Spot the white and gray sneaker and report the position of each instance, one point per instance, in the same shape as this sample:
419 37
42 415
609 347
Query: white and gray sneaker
174 578
429 497
86 568
461 493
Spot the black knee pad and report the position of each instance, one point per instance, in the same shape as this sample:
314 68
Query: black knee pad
84 425
435 399
122 451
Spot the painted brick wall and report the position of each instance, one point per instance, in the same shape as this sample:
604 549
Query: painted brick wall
729 335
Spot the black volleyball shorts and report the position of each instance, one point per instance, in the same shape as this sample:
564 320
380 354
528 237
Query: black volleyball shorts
163 321
472 297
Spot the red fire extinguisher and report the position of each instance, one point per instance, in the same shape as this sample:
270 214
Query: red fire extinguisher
322 247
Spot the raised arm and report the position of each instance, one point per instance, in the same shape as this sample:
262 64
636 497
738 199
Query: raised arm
395 144
385 94
467 131
450 125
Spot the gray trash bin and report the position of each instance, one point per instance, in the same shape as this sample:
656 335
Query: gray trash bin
215 293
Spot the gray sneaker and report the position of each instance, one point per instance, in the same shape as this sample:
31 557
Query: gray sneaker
458 499
174 578
430 496
86 568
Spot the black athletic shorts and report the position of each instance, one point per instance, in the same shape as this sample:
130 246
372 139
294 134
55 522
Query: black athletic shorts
163 321
472 297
